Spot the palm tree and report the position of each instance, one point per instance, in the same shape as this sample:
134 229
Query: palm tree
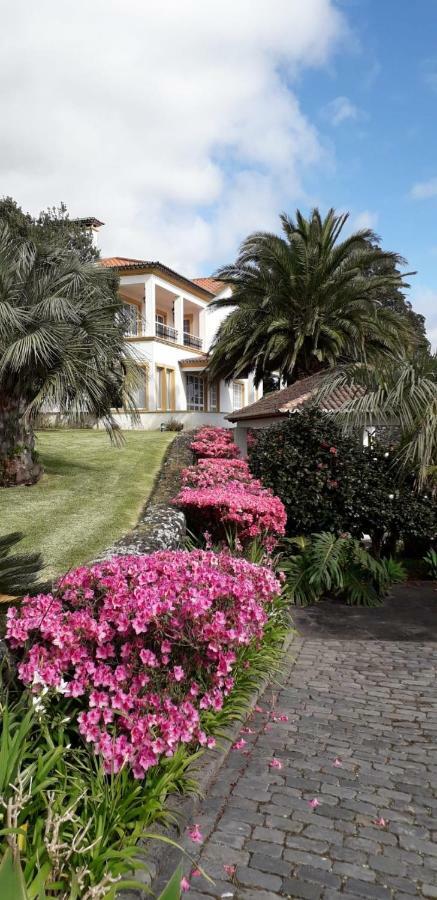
401 394
306 300
61 346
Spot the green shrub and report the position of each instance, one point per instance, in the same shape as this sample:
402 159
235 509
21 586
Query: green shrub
331 566
18 573
329 482
430 560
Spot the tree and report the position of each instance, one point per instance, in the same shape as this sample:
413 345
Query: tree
306 300
394 298
61 346
52 226
400 392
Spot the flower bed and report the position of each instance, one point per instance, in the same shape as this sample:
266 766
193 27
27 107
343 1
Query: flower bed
218 494
212 472
144 644
215 443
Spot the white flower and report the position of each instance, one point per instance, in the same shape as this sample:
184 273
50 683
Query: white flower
386 454
391 496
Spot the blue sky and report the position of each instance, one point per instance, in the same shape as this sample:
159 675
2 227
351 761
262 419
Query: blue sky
385 148
185 126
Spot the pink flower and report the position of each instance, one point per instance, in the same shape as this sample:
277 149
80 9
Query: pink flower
195 833
275 763
239 744
185 884
196 873
382 823
337 763
258 709
230 870
142 645
314 803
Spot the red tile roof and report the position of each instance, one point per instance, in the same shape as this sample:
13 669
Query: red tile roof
125 262
210 284
192 361
121 262
297 395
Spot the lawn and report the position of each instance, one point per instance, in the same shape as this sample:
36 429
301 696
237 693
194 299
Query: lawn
91 493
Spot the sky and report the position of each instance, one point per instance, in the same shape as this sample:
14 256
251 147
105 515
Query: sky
186 124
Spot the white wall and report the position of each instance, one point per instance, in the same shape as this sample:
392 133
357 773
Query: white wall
152 421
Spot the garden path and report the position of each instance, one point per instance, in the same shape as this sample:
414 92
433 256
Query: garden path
361 740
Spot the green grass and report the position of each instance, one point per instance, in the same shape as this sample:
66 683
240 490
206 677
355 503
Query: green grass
90 494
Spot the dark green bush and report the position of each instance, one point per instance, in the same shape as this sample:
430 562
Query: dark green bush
329 482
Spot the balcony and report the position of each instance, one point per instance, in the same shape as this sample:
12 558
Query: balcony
134 326
166 331
191 340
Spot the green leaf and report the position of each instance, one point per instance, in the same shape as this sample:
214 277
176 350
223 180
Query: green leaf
173 889
12 886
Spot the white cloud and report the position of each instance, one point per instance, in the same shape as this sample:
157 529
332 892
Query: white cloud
364 219
173 122
340 110
423 190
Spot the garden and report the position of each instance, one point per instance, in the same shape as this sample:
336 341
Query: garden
119 674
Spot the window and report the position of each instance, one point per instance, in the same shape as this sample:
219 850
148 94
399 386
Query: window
140 390
213 397
130 319
187 326
237 395
164 388
195 393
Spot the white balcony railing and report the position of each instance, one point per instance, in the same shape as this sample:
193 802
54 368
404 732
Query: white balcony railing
192 340
135 326
166 331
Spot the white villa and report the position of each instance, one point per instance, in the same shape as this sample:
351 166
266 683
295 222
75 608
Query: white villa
170 325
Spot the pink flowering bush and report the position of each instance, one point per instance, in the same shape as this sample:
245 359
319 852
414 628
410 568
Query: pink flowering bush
215 443
144 645
212 472
220 493
252 510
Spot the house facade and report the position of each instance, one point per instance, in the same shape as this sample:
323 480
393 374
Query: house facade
170 326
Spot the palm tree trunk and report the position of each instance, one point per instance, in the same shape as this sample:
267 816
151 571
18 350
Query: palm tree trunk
18 460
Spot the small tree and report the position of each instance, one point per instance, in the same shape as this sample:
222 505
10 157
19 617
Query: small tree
61 346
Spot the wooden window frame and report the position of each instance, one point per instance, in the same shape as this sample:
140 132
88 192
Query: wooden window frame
166 405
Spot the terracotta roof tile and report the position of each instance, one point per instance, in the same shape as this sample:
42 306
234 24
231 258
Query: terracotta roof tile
192 361
125 262
210 284
296 395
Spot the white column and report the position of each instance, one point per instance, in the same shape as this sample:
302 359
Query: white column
150 305
179 319
240 438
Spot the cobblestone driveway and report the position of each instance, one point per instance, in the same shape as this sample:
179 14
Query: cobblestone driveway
370 705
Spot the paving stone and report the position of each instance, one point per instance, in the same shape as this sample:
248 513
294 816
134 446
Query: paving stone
365 889
255 878
266 863
303 890
320 876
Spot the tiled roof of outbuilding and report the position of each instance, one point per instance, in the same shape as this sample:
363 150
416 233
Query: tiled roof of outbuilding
279 403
